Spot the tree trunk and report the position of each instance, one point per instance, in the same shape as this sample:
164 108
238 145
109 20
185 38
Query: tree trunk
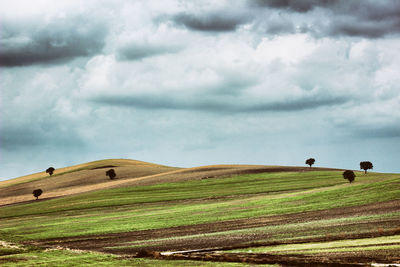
365 171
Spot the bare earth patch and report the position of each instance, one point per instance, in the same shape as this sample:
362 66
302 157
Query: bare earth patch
213 247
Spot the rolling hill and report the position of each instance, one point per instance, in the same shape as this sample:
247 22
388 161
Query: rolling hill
154 215
90 176
76 179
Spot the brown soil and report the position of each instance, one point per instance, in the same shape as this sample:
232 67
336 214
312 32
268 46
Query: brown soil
104 167
207 246
338 259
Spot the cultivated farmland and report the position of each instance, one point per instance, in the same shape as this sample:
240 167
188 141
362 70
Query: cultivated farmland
222 215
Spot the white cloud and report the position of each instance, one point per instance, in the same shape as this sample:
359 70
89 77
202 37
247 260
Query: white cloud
167 93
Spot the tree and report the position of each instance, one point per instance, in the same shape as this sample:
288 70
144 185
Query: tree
310 162
50 170
366 165
111 173
349 175
36 193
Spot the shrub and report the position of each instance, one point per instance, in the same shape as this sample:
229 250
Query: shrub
50 170
310 161
36 193
349 175
111 173
366 165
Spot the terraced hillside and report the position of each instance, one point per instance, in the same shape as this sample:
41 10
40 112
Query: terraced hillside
214 215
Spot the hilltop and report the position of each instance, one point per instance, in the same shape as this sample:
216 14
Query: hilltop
91 176
153 215
76 179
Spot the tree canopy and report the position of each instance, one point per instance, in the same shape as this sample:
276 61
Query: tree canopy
111 173
310 161
349 175
366 165
50 170
36 193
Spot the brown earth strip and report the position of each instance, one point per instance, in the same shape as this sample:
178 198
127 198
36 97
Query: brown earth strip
315 260
104 167
101 242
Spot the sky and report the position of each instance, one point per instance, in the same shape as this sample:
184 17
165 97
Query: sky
191 83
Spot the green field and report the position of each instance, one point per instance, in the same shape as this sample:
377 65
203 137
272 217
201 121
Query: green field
275 204
55 258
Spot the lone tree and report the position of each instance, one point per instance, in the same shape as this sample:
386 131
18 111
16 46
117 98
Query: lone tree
50 170
349 175
36 193
310 162
366 165
111 173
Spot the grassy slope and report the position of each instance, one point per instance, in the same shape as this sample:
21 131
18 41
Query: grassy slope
69 169
203 201
149 207
76 179
391 242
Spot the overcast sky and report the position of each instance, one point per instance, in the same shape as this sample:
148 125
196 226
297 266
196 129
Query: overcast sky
190 83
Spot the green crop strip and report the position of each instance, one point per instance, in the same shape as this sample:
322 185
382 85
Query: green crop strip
344 245
193 202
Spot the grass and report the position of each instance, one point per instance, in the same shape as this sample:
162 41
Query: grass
269 183
192 202
42 176
387 242
67 258
202 201
288 231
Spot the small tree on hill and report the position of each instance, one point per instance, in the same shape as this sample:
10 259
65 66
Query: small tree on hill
50 170
36 193
349 175
111 173
310 161
366 165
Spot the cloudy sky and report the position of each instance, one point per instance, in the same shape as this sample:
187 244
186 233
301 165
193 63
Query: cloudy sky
189 83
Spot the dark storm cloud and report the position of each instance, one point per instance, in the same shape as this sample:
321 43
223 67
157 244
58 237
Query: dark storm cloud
370 19
362 28
295 5
211 22
13 138
216 106
303 103
22 138
275 27
39 132
57 41
140 51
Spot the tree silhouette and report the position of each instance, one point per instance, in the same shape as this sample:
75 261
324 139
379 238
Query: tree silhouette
310 162
111 173
366 165
349 175
50 170
36 193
